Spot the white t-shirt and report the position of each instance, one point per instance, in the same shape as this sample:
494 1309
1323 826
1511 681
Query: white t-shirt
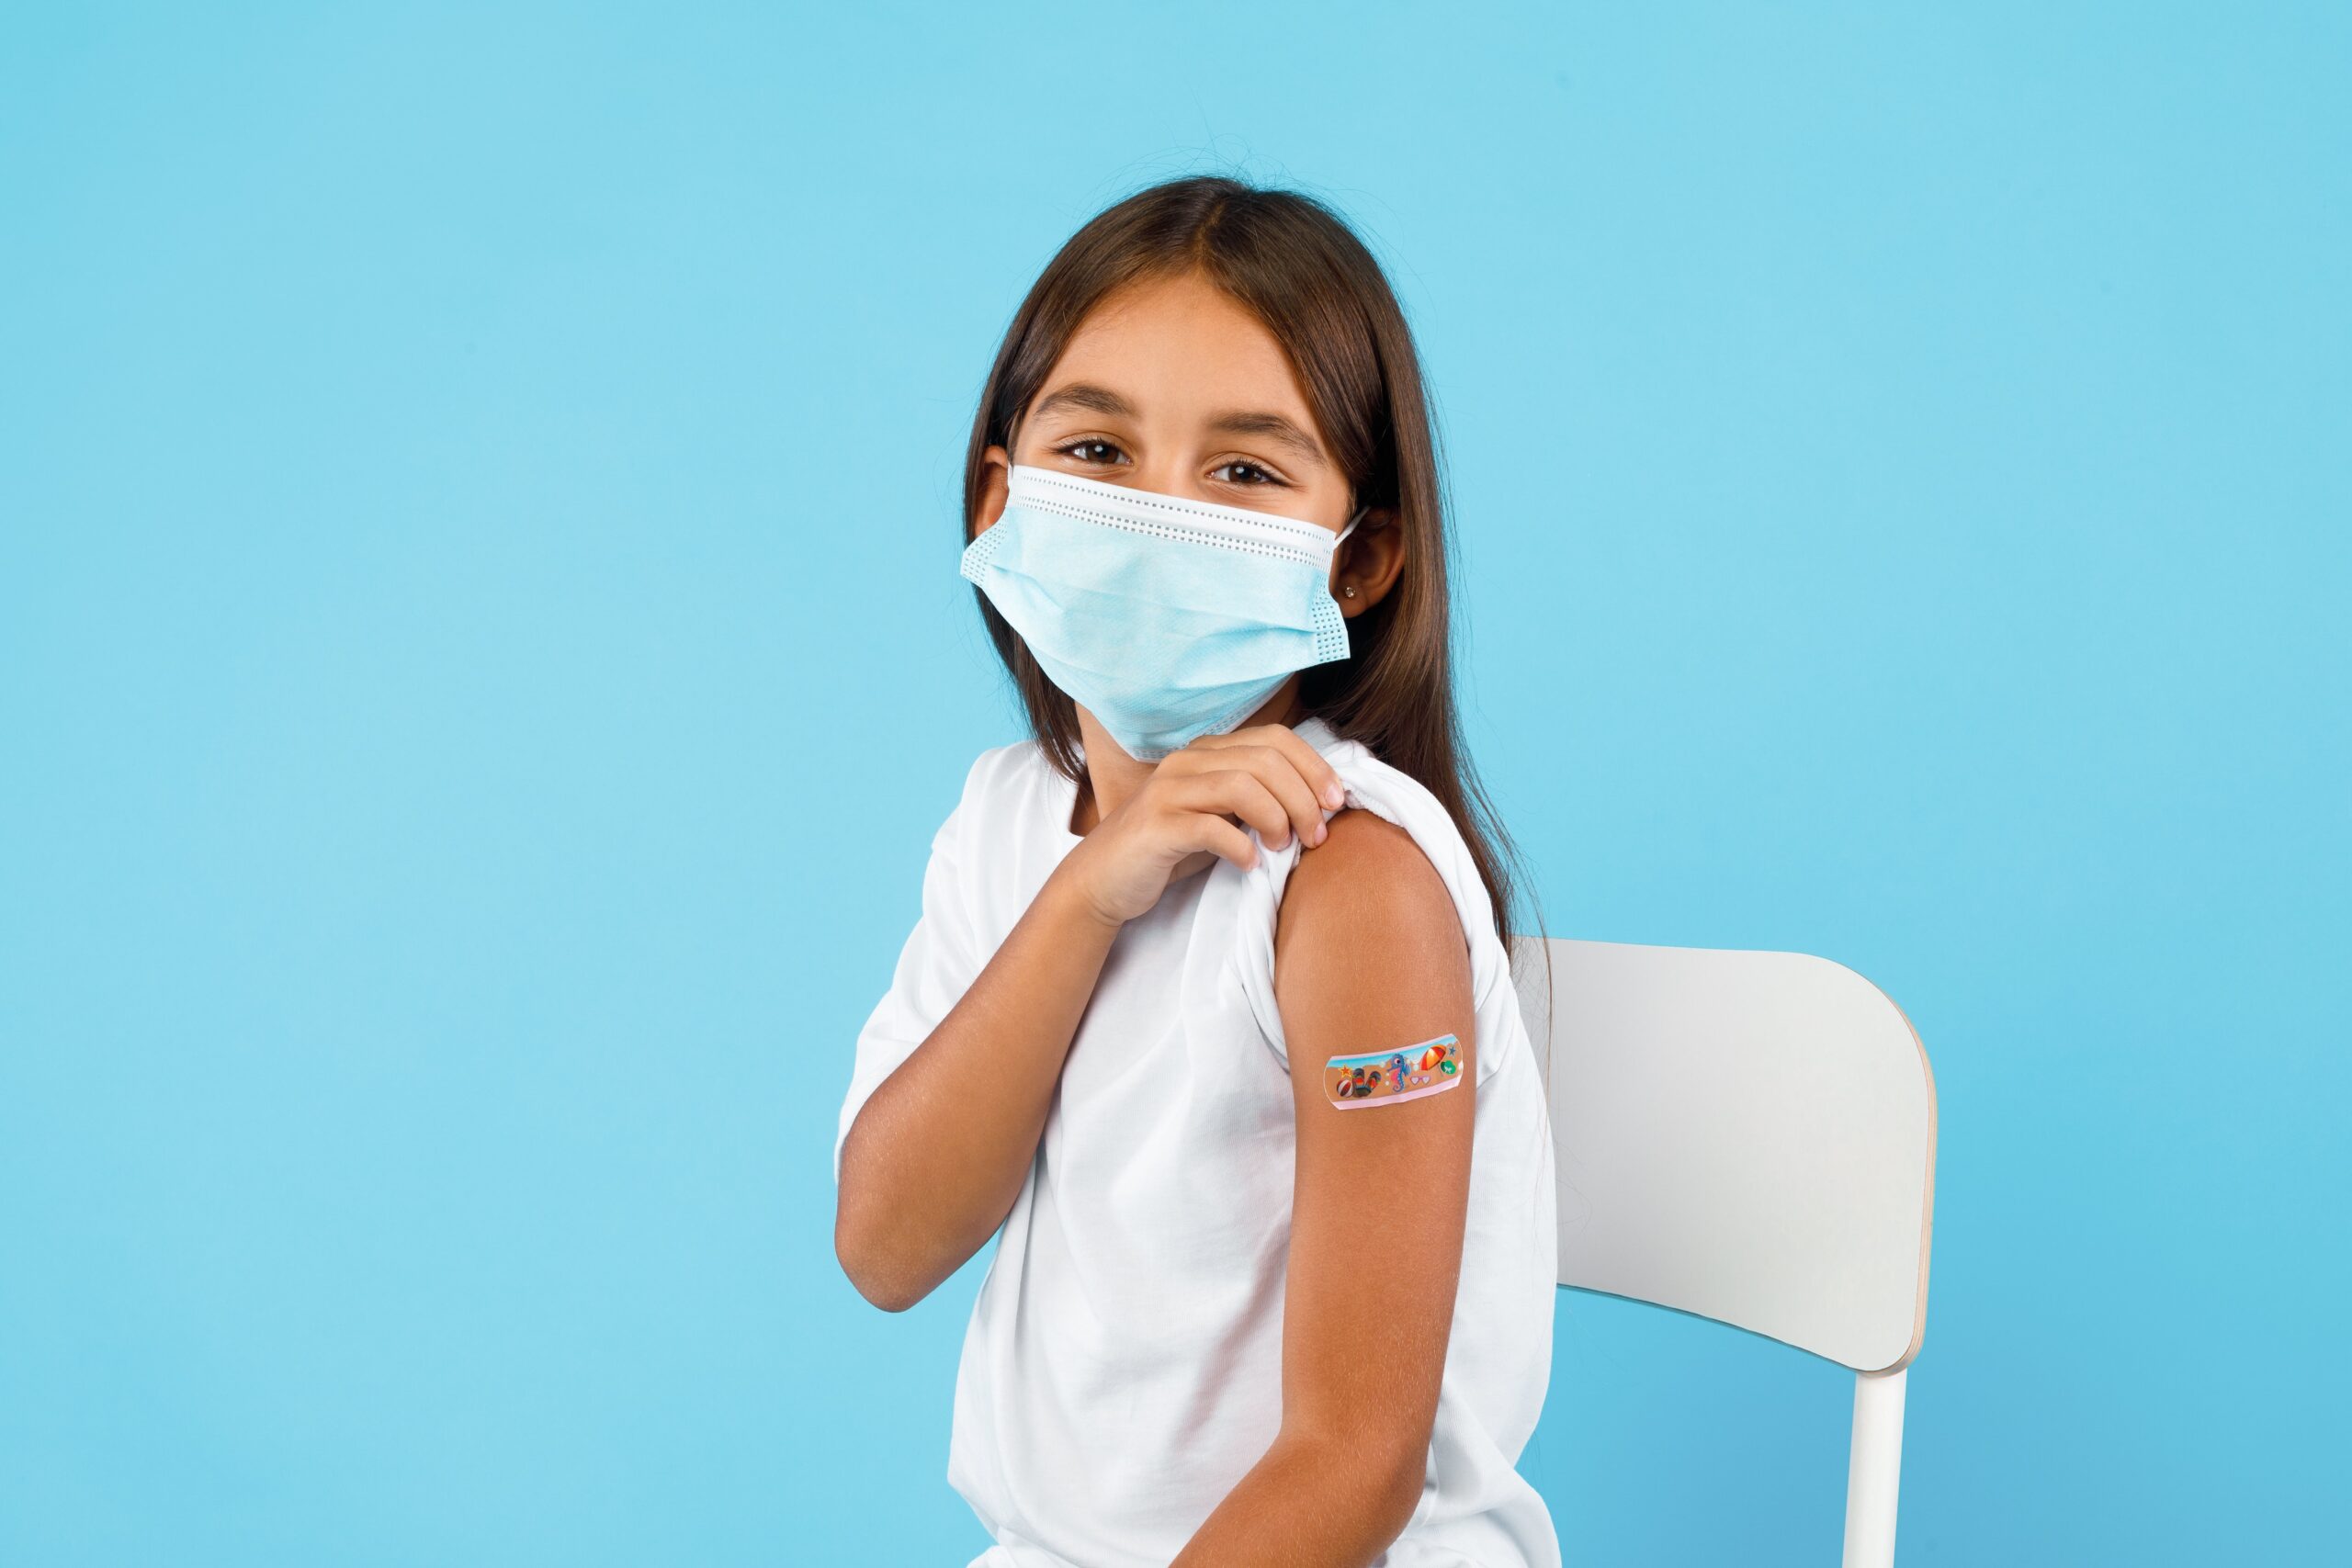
1122 1370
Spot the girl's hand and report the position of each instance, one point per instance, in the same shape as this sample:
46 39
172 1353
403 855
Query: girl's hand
1193 810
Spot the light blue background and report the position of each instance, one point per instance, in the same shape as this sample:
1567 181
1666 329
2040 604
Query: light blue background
481 658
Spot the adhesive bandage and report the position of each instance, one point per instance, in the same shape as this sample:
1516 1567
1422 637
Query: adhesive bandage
1384 1078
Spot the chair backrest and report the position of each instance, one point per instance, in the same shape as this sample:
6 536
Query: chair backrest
1746 1136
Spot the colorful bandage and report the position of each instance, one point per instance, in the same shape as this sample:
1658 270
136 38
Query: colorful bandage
1383 1077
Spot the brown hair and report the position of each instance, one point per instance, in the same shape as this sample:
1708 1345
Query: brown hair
1298 265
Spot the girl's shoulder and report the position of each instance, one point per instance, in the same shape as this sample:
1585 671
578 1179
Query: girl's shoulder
1000 770
1389 792
1005 789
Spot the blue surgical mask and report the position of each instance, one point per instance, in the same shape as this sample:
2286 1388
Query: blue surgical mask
1166 618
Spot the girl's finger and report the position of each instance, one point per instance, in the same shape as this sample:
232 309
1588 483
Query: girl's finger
1239 791
1221 837
1276 769
1320 776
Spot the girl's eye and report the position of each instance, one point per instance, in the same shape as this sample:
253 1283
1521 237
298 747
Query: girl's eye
1095 450
1079 449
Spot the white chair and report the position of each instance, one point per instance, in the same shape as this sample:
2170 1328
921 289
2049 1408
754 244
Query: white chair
1750 1137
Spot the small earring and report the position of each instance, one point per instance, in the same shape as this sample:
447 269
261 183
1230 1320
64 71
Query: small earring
1349 590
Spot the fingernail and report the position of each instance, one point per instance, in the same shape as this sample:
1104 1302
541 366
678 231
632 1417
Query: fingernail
1335 795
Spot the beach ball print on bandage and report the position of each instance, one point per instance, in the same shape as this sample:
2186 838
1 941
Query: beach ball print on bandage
1393 1076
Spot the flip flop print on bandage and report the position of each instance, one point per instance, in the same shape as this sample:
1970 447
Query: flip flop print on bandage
1384 1078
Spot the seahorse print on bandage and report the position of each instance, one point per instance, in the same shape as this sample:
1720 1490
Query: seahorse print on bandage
1391 1076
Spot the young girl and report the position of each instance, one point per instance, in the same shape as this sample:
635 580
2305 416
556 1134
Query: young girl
1208 1013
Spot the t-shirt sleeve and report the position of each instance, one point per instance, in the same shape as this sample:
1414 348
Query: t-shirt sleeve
936 965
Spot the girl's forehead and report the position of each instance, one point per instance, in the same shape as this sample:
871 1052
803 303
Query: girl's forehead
1180 353
1175 321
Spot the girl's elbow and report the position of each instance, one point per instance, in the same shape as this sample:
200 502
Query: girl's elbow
869 1267
879 1286
887 1298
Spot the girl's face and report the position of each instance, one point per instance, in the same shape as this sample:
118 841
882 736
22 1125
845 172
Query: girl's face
1172 385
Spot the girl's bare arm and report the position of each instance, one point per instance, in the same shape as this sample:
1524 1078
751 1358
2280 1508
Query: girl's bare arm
1369 953
937 1154
939 1151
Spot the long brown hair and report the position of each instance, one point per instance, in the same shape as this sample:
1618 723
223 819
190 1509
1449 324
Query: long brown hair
1297 265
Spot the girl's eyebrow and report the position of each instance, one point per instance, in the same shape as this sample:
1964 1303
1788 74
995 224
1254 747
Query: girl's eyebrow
1275 427
1085 395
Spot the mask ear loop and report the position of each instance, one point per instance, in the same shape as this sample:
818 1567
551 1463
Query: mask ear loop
1350 527
1348 588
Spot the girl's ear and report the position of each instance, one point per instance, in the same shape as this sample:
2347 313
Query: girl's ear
994 487
1370 563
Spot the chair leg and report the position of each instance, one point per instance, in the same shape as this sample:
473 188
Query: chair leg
1873 1470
